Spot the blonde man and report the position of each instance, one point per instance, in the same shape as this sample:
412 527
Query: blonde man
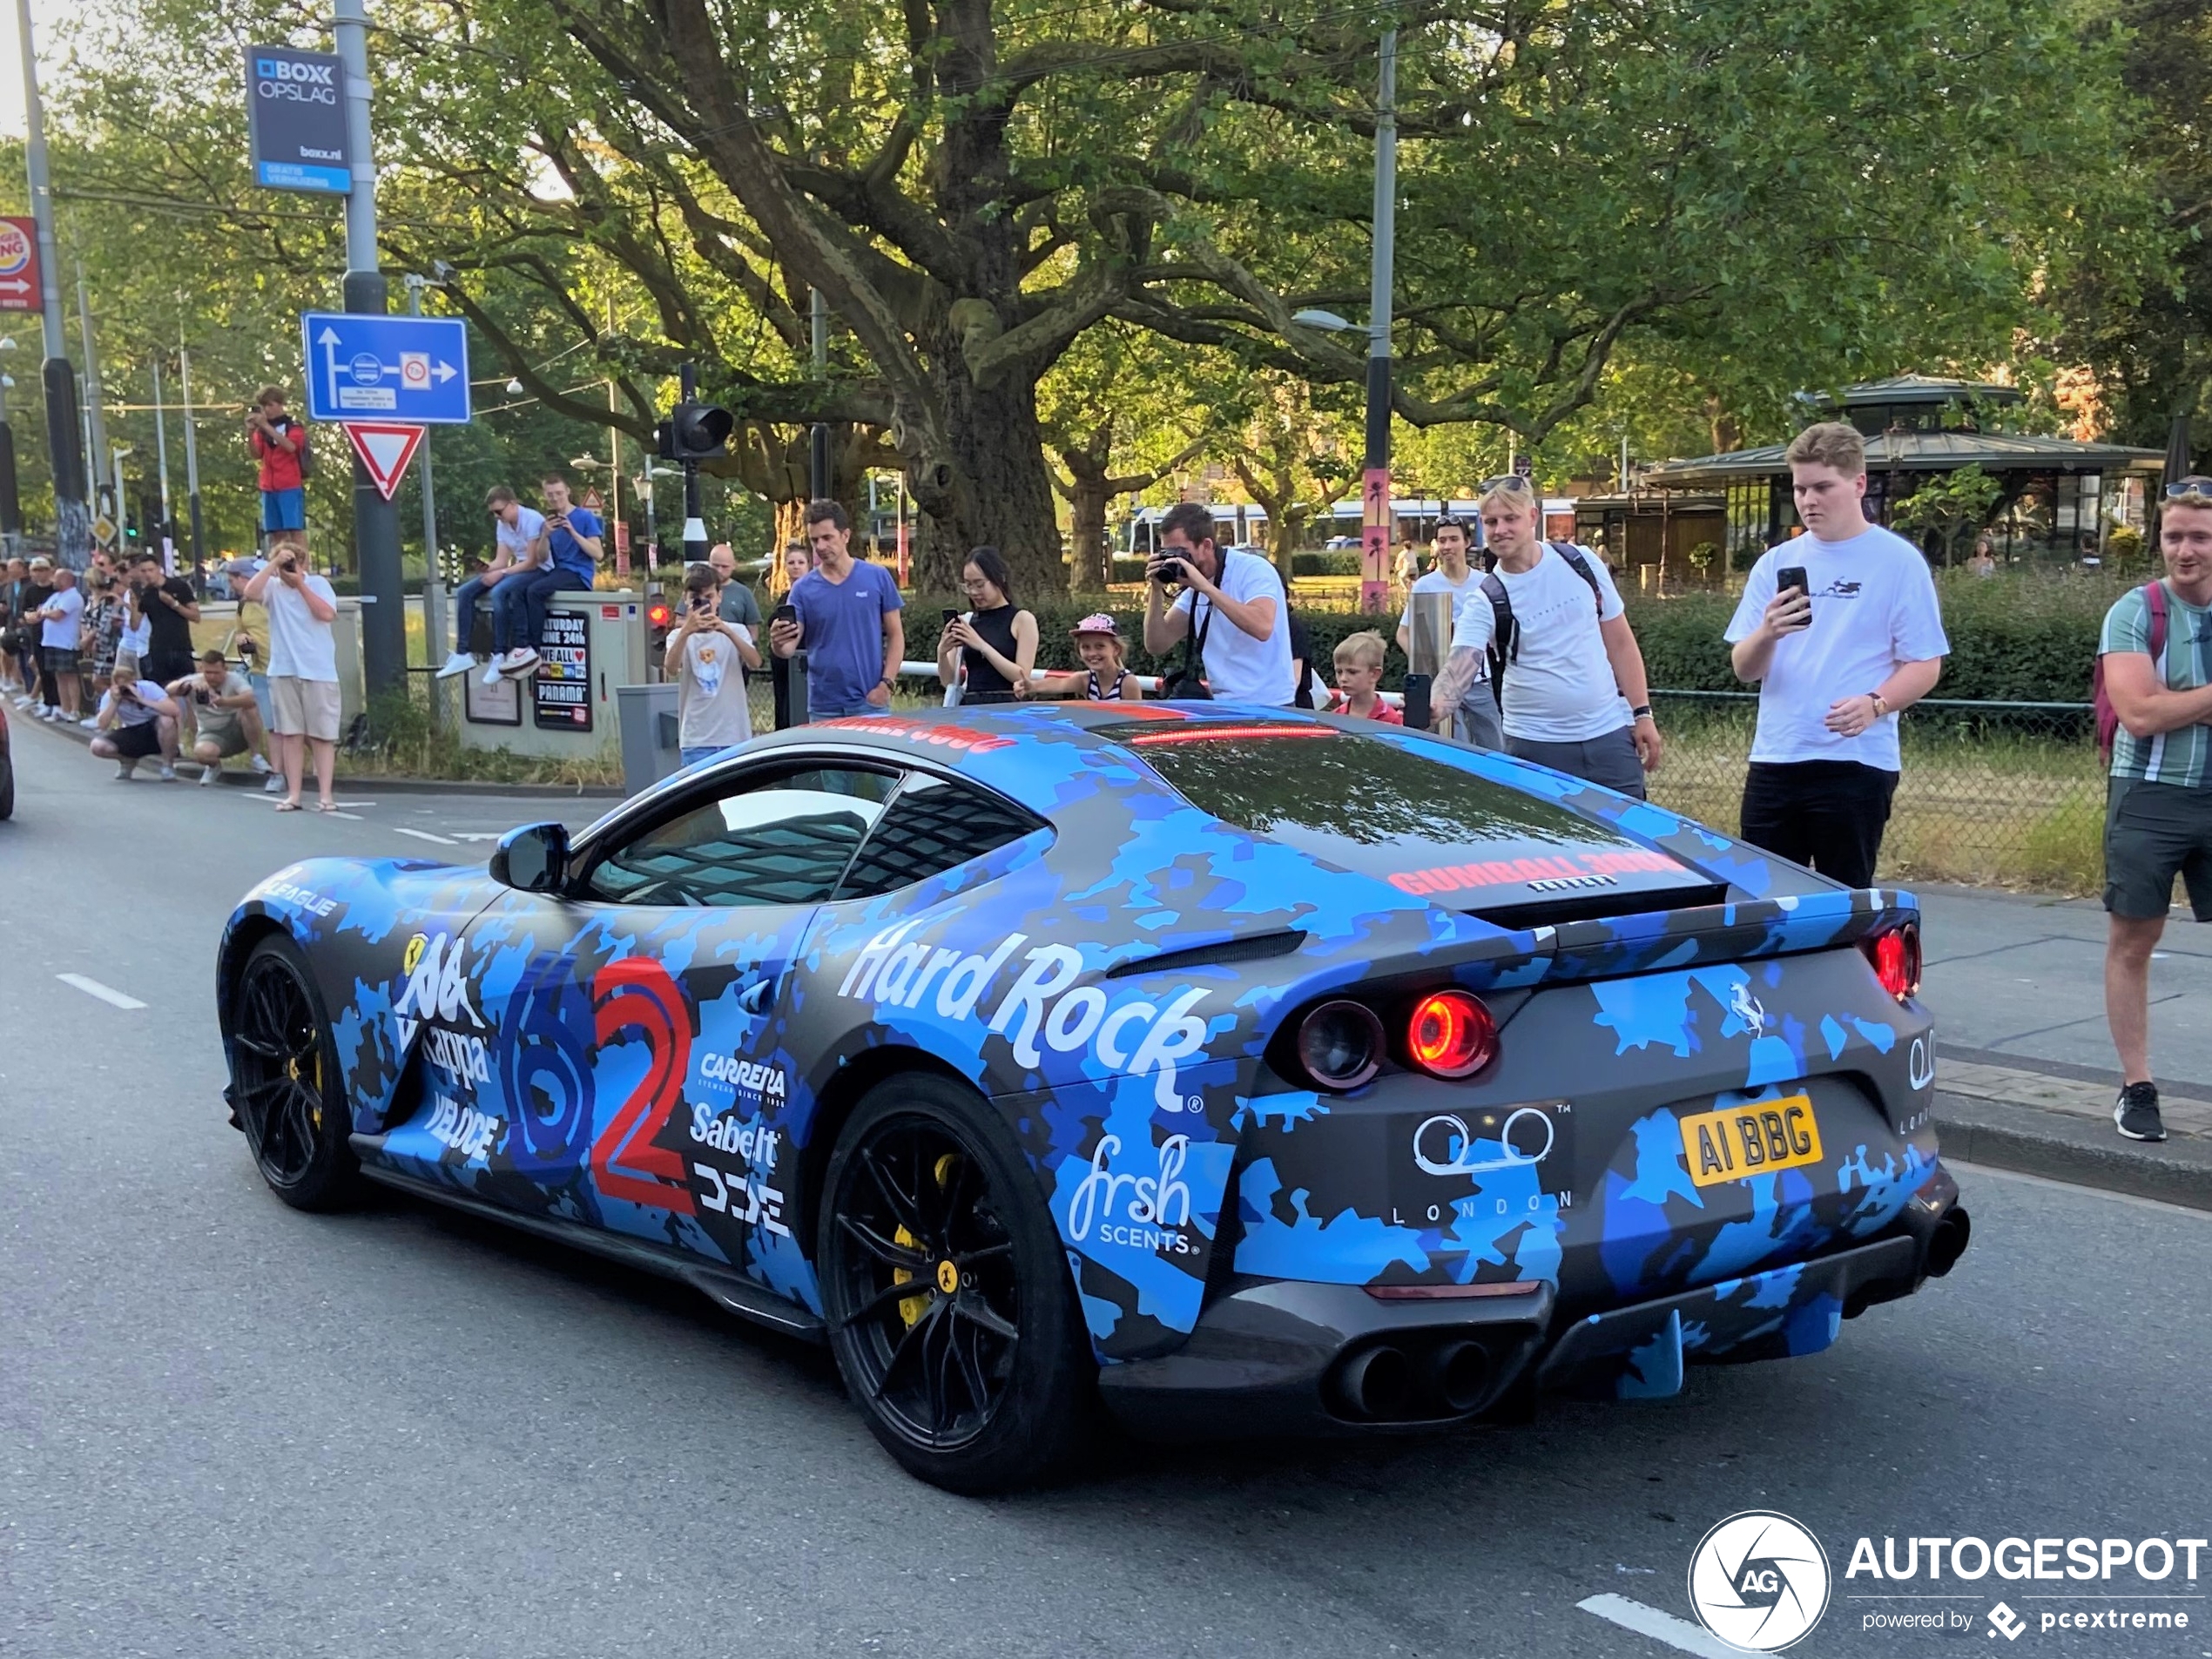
1574 696
1835 656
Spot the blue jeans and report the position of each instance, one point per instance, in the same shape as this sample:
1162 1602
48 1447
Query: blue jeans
466 598
692 757
533 594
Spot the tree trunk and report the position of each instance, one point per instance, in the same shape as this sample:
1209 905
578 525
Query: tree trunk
1090 564
992 490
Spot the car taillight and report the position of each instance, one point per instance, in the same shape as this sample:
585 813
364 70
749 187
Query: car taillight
1340 1045
1895 954
1450 1033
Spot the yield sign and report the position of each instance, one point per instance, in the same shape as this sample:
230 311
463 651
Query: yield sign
384 448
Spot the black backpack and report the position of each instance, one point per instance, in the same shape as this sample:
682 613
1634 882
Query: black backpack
1505 637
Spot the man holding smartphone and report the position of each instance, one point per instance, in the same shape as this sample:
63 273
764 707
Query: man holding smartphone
1840 630
843 613
571 540
1232 604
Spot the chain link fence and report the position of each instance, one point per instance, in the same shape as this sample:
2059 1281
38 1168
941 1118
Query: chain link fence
2008 794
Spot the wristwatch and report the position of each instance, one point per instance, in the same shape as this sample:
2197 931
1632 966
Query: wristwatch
1641 712
1881 705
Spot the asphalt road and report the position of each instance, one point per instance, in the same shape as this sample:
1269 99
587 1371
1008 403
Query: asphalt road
229 1429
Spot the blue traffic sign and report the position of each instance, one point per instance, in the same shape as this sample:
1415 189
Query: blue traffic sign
401 368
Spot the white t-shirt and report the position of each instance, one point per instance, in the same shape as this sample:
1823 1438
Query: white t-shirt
62 634
1560 686
135 713
529 525
1240 669
714 714
1873 607
298 645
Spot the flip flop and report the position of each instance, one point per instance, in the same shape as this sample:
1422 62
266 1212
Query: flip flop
287 806
325 806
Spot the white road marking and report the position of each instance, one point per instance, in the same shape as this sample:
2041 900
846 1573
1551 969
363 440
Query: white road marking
477 835
1659 1627
105 993
421 835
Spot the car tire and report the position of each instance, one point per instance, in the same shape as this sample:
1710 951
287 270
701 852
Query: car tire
927 1188
7 786
285 1088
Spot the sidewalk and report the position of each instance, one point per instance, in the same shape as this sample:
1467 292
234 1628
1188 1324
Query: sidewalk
2024 1077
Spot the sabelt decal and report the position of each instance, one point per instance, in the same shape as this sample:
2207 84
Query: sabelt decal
1135 1033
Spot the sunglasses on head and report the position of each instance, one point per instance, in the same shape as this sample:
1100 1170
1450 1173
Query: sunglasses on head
1508 481
2190 489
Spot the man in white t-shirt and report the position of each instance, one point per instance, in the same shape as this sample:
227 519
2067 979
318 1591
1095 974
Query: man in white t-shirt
1453 575
303 671
61 629
1835 660
519 533
1243 625
1558 645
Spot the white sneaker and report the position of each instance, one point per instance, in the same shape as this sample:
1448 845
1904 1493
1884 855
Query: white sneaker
490 676
520 661
459 663
125 769
207 772
168 772
260 764
275 786
90 720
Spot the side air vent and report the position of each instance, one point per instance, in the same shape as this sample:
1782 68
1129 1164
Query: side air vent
1252 948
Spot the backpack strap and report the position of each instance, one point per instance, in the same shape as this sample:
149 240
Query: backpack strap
1581 566
1505 632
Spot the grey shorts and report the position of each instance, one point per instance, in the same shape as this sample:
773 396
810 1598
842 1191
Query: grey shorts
228 734
1610 761
2154 832
1478 721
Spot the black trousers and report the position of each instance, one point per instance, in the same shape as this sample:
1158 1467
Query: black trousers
1826 813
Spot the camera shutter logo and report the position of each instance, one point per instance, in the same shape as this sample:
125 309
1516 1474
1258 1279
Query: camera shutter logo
1759 1581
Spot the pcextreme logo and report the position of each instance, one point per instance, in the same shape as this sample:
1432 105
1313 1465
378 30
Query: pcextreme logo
1759 1581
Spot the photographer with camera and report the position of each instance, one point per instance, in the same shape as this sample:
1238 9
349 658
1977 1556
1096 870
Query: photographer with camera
137 721
303 671
1231 607
708 656
227 718
279 447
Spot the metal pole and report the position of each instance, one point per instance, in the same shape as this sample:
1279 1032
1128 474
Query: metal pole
192 458
10 498
1374 585
122 509
694 521
376 522
615 536
161 449
434 608
817 470
652 529
72 520
95 420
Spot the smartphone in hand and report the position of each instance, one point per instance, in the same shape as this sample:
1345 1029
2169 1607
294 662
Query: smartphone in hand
1792 576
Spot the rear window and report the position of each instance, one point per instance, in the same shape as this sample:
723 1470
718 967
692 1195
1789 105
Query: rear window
1380 810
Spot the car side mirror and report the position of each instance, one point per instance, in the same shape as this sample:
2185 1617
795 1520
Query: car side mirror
534 859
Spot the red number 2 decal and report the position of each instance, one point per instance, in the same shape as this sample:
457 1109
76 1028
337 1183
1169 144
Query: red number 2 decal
637 994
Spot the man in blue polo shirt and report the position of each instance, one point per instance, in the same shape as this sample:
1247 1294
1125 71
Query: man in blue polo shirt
572 537
848 623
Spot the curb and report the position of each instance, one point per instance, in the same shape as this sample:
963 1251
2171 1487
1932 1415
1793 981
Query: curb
371 783
2076 1151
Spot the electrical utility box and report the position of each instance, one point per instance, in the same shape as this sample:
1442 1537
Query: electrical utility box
594 643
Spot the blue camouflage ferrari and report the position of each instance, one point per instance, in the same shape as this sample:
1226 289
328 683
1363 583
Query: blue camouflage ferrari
1201 1069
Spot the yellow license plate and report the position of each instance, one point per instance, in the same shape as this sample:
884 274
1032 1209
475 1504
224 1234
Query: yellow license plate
1741 1141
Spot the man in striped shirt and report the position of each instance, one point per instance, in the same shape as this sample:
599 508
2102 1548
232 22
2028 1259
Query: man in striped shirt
2158 815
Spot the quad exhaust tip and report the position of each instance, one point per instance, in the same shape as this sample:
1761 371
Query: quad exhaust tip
1948 1243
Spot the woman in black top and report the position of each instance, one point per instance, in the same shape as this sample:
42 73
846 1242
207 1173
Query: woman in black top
995 643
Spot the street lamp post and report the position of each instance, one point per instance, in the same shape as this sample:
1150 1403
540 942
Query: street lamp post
192 458
72 519
1893 436
11 499
116 452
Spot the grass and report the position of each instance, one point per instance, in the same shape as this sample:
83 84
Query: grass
2006 810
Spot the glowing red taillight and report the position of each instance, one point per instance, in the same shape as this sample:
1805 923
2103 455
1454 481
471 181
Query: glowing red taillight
1896 956
1450 1033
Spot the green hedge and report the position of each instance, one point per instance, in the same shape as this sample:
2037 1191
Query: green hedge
2026 637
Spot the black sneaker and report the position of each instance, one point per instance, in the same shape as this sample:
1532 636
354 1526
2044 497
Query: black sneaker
2136 1113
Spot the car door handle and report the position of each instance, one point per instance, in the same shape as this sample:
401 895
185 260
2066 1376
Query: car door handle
754 995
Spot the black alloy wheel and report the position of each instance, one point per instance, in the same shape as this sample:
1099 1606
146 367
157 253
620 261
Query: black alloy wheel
283 1080
950 1308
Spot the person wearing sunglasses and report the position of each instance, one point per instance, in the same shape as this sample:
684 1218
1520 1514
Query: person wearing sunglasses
1573 692
2156 655
1853 635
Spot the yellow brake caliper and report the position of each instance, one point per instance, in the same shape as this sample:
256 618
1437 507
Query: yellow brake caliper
912 1308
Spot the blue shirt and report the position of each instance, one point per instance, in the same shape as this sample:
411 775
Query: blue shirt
841 629
568 552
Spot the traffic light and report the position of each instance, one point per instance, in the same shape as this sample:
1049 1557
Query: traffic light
694 431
